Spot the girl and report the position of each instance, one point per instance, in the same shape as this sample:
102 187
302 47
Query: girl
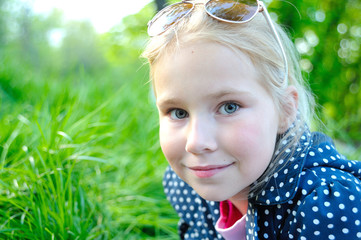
234 114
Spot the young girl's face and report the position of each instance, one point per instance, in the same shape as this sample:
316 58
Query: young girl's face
218 124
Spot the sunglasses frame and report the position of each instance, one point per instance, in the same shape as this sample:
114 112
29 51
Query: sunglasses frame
260 8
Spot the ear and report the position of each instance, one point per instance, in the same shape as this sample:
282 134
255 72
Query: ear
289 109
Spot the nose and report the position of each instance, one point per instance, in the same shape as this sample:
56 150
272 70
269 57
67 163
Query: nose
201 137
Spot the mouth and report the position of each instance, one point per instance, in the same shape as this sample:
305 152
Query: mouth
208 171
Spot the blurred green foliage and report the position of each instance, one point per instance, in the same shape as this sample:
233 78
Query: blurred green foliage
328 37
79 151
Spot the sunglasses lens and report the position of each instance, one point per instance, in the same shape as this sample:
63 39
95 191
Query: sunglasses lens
167 17
232 10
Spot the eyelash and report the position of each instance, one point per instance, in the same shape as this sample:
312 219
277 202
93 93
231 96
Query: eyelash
237 107
172 111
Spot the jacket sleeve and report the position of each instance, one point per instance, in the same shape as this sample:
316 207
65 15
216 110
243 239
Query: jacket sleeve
330 211
197 216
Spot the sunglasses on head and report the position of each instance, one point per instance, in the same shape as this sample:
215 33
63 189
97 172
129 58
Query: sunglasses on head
230 11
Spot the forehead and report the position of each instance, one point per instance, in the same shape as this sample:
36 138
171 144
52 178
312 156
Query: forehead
204 66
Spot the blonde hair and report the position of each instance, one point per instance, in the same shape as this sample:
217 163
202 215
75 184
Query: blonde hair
256 40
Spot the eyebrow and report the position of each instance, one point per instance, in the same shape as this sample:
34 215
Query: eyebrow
168 101
216 95
228 92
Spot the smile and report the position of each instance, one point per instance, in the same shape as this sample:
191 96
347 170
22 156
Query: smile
208 171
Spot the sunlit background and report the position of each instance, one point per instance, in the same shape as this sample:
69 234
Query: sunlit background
79 151
103 14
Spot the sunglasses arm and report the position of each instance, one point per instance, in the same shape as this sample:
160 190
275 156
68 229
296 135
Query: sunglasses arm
265 13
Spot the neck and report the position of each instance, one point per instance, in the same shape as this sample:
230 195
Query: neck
240 201
241 205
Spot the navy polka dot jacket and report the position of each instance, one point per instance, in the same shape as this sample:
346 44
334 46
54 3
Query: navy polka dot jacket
314 195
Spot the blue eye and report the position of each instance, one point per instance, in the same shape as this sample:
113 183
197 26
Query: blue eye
228 108
177 114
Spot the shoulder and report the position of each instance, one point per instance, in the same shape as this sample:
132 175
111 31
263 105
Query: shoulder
327 204
331 209
328 199
197 216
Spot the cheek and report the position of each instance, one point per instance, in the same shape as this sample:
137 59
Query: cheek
252 144
171 143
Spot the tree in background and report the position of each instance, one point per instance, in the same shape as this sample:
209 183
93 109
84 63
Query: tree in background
328 36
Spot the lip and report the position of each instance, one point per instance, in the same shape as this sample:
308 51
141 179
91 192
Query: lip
209 170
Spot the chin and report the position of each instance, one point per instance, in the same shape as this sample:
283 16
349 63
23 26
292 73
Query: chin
214 195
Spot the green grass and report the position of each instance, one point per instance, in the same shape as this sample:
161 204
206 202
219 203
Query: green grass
80 158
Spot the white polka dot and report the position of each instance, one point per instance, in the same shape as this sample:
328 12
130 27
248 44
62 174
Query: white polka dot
312 153
329 215
327 204
315 209
354 210
343 218
341 206
345 230
316 221
331 237
351 197
316 233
